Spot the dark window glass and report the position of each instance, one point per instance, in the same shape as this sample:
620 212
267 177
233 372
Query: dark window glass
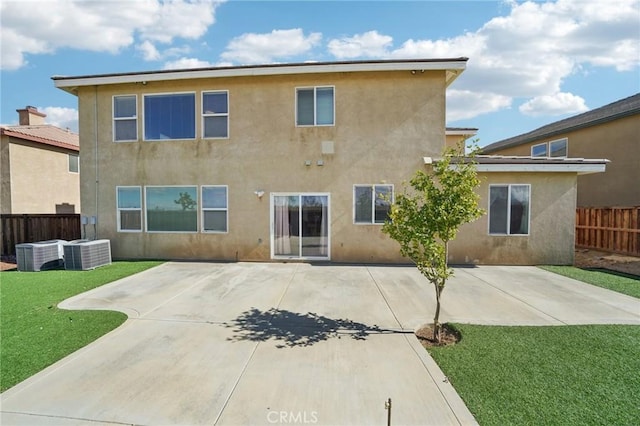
169 116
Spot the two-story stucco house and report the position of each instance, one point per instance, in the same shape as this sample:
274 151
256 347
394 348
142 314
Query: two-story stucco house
611 131
40 166
290 161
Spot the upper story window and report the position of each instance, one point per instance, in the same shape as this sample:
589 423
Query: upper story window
215 114
509 207
170 116
372 203
539 150
74 163
315 106
558 148
125 118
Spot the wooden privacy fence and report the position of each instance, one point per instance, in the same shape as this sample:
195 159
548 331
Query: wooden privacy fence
615 229
29 228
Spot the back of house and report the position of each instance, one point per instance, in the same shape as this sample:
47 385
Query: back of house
289 161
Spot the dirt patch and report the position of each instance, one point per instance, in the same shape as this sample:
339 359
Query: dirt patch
448 336
8 263
614 262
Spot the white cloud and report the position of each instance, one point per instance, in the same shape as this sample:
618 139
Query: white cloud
185 63
527 53
179 18
467 104
254 48
149 51
61 117
368 44
43 26
556 104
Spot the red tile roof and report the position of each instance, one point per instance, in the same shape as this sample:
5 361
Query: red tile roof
45 134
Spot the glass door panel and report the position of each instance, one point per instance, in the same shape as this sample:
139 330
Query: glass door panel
300 226
286 234
314 225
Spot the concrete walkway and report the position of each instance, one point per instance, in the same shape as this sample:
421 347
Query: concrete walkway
248 343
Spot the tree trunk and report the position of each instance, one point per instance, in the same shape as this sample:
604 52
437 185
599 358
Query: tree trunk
436 318
439 287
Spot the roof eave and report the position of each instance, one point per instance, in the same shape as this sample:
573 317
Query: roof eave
40 140
581 169
452 66
489 164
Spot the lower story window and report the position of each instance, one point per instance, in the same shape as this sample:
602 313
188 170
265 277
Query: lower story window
509 207
171 208
214 209
129 200
372 203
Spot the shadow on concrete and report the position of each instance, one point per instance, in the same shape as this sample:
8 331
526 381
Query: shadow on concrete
295 329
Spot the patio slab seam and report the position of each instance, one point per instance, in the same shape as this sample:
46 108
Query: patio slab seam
255 348
395 317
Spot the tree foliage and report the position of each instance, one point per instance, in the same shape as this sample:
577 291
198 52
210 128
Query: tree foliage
428 215
185 201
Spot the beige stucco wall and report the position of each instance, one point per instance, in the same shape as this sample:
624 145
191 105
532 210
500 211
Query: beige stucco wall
35 179
385 123
5 176
617 141
551 230
452 141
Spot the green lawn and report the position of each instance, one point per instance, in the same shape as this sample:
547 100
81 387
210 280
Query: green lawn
35 333
560 375
615 281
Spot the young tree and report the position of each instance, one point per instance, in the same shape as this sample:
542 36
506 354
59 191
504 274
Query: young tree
424 220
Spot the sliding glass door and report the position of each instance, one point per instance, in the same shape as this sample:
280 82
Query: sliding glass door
300 226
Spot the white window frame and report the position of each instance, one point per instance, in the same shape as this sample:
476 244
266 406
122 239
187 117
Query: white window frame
132 118
146 221
77 161
204 115
315 106
509 234
118 209
557 141
273 196
546 150
195 116
204 209
373 202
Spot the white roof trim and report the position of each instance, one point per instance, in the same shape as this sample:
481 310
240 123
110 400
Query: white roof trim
460 132
454 68
584 168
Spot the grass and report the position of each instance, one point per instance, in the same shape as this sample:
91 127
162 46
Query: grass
35 333
615 281
561 375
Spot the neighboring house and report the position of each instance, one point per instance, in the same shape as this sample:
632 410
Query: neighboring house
40 166
454 135
611 132
290 161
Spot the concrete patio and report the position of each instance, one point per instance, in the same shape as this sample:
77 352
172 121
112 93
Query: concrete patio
278 343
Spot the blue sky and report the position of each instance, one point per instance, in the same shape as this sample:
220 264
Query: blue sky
530 62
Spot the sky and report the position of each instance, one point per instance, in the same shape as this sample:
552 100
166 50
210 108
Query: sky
531 63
